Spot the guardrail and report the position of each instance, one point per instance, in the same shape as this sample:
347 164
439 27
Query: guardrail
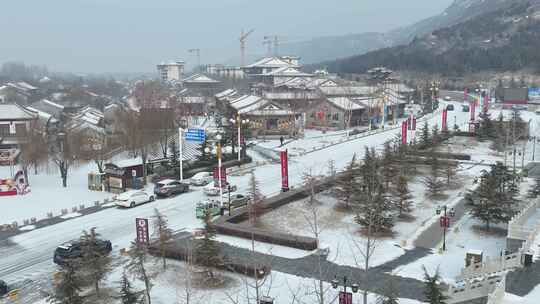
473 289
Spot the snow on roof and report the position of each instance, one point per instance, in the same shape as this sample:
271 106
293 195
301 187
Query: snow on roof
61 107
192 99
244 101
131 162
225 93
42 114
15 112
345 103
347 91
288 71
199 78
110 106
291 95
271 62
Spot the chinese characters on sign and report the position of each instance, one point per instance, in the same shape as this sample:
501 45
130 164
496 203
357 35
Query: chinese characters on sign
345 297
141 225
284 171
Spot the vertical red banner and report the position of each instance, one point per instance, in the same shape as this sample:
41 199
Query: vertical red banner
414 124
143 235
444 119
404 133
283 155
486 103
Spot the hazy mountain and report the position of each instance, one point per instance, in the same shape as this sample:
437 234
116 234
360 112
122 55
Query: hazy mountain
507 38
332 47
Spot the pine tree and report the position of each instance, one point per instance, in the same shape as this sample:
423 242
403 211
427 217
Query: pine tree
374 211
256 199
450 171
433 291
535 189
175 155
435 135
387 163
127 295
138 256
95 263
433 184
162 233
68 287
207 250
347 183
424 136
389 294
402 195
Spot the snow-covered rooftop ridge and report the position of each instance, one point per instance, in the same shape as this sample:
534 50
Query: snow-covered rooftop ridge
225 93
272 62
15 112
345 103
200 78
41 113
54 104
288 71
130 162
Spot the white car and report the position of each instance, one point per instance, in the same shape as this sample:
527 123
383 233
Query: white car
202 179
133 198
212 190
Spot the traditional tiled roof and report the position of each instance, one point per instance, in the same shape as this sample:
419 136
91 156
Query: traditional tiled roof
345 103
12 112
199 78
271 62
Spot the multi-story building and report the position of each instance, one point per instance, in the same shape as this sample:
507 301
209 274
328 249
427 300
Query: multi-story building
172 71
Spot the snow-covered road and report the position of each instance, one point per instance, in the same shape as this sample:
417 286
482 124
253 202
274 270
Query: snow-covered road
29 255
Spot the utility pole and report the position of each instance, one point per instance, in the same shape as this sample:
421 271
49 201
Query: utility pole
198 54
243 39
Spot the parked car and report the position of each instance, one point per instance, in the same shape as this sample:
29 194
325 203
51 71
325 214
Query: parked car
450 107
237 200
520 107
170 187
207 206
133 198
73 250
3 288
202 179
465 108
447 98
212 190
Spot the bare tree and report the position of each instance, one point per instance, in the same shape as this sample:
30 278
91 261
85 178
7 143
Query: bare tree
255 202
65 151
138 255
95 147
163 234
33 150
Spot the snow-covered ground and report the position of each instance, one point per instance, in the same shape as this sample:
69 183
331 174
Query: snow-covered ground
47 193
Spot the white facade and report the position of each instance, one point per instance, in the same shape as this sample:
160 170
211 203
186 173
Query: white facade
172 71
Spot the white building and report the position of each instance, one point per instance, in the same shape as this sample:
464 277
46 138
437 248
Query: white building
172 71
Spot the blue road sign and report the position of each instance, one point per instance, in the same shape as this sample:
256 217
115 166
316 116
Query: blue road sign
197 135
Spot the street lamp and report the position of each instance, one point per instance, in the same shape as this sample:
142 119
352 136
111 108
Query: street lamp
444 220
344 297
218 152
239 122
434 93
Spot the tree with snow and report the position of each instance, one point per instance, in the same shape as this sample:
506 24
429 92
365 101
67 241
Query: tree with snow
389 294
433 291
402 195
162 233
387 163
95 263
435 135
175 155
207 250
255 204
347 183
127 295
374 211
434 185
425 140
68 286
534 191
138 256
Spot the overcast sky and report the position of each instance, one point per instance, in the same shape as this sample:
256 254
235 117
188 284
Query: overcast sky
135 35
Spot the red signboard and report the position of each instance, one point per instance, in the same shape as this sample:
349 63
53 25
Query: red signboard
444 118
284 170
444 221
345 297
404 133
143 237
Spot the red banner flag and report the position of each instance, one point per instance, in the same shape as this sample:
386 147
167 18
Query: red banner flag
414 124
444 118
404 133
284 171
409 122
473 109
345 297
486 103
143 236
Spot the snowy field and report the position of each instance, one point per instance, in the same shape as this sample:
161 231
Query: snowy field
47 193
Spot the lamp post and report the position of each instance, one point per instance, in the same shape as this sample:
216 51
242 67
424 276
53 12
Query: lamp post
434 94
239 122
218 153
344 297
444 221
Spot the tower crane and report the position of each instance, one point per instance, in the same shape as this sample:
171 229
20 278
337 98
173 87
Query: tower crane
243 38
198 54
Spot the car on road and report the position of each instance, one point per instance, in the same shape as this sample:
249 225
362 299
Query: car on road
447 98
211 206
170 187
450 107
237 200
202 179
520 107
133 198
465 108
73 250
3 288
212 190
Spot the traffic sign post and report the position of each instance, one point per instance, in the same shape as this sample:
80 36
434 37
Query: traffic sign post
192 134
195 134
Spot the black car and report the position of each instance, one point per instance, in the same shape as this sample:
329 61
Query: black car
170 187
3 288
450 107
73 250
